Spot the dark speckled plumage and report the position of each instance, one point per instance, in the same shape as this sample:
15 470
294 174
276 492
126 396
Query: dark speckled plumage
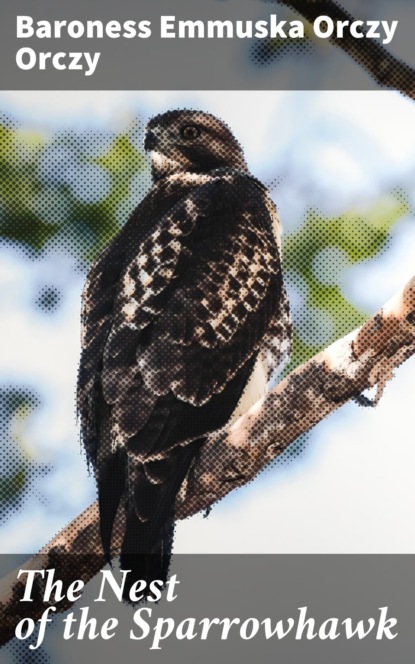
177 311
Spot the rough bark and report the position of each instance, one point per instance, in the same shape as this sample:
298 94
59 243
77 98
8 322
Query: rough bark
233 456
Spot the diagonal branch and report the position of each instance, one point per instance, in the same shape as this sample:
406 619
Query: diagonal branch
231 457
382 66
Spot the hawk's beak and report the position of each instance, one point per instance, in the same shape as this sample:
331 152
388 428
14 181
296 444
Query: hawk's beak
150 141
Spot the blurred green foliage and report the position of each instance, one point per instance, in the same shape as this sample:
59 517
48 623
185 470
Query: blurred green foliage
67 188
70 191
16 405
73 190
317 255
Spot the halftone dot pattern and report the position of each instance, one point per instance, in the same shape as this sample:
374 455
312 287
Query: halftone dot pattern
18 652
185 316
54 199
48 299
16 404
265 52
369 53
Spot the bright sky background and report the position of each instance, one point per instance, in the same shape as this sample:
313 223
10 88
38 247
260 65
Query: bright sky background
353 490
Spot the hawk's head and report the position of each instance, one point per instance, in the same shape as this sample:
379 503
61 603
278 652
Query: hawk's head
191 141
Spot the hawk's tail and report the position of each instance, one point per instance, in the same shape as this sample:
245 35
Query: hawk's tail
148 540
146 555
149 525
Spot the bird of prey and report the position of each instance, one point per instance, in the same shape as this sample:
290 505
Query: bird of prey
185 318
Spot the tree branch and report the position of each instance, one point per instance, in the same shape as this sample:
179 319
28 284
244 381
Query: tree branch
384 68
231 457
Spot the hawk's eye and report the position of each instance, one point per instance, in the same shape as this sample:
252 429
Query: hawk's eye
190 131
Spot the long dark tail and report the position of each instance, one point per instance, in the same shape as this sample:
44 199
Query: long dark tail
149 491
146 554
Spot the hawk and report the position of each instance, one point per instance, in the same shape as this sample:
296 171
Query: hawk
185 319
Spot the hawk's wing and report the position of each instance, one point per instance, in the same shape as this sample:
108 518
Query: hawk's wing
191 307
